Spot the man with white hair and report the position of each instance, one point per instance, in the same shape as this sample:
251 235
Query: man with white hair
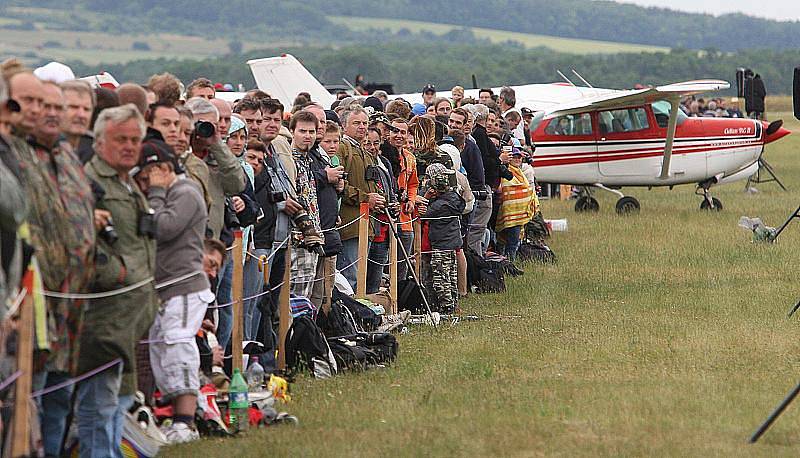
226 176
114 324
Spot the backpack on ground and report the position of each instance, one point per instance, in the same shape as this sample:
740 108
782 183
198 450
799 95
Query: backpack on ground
363 350
364 317
338 322
483 276
536 252
307 348
409 297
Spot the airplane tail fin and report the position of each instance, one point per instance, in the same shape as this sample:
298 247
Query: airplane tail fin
283 77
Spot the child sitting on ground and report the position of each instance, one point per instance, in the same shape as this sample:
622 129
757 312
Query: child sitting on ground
444 208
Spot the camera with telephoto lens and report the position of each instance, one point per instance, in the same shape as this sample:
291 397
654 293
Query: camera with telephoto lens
230 219
312 240
204 129
277 197
146 226
371 173
107 233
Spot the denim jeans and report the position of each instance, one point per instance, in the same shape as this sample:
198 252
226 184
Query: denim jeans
407 240
53 409
348 256
99 414
253 284
378 256
511 235
225 325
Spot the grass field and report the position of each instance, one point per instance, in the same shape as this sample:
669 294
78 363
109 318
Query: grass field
662 334
568 45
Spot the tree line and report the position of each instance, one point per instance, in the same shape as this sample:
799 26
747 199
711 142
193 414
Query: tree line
409 66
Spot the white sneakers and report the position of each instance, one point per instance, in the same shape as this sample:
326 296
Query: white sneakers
179 433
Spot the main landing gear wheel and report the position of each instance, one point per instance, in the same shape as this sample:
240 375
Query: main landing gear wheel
586 204
715 205
627 205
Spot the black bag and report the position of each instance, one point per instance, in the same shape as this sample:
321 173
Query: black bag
409 297
384 345
483 275
339 322
307 348
364 317
536 252
351 356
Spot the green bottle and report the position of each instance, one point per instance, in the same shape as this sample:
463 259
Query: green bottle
238 403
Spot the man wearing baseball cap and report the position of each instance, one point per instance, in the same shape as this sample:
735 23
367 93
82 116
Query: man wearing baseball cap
180 216
428 94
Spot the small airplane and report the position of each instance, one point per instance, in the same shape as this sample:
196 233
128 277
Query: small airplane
642 138
596 138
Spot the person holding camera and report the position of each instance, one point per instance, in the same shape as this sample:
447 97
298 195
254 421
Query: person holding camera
358 189
516 203
408 185
329 180
114 324
226 176
180 216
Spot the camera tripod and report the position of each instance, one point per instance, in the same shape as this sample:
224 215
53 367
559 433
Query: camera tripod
409 265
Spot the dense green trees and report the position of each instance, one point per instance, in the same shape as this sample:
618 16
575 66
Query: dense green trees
411 65
306 21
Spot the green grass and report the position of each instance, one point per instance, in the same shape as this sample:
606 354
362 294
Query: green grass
662 334
568 45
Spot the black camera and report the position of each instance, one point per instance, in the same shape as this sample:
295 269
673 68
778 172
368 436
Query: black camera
345 175
371 173
312 240
394 210
146 226
204 129
481 194
230 219
505 172
108 233
403 195
277 197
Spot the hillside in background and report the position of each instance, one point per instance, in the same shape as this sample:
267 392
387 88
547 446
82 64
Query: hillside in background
307 21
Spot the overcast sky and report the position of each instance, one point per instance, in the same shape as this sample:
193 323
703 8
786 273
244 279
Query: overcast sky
785 10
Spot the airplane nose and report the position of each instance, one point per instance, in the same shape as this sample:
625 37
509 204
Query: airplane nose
774 131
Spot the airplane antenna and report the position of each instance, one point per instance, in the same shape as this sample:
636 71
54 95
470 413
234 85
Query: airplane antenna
565 78
582 79
351 86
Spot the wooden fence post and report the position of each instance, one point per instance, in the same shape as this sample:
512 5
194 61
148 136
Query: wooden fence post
284 308
363 252
21 433
238 306
328 271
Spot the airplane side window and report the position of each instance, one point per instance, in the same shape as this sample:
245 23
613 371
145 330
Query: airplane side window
621 121
661 111
570 125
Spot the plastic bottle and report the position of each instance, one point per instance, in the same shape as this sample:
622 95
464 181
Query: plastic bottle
255 375
238 403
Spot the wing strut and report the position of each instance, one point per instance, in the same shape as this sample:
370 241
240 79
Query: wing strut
674 103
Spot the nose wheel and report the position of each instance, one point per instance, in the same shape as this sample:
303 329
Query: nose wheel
708 203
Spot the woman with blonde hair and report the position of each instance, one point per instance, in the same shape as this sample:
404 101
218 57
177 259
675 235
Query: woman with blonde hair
422 130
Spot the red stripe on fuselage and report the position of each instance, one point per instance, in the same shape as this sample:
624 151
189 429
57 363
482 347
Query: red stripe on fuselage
631 154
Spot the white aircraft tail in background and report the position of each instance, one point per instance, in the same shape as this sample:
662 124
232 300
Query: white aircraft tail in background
283 77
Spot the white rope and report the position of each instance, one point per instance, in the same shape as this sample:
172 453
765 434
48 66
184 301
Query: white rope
115 292
17 302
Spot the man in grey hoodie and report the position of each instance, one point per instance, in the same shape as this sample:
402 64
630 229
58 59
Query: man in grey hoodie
180 222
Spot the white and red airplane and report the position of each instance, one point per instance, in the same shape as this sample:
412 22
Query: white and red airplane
597 138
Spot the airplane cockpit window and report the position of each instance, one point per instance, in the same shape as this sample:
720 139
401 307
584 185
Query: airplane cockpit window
573 124
624 120
661 111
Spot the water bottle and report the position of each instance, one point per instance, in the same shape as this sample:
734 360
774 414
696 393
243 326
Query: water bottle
238 403
255 375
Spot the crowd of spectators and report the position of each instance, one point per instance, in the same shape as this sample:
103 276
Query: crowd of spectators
717 107
124 205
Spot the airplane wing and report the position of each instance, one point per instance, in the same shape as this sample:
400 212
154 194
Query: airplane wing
283 77
620 99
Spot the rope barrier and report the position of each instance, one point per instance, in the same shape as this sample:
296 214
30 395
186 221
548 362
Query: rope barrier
77 379
10 380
